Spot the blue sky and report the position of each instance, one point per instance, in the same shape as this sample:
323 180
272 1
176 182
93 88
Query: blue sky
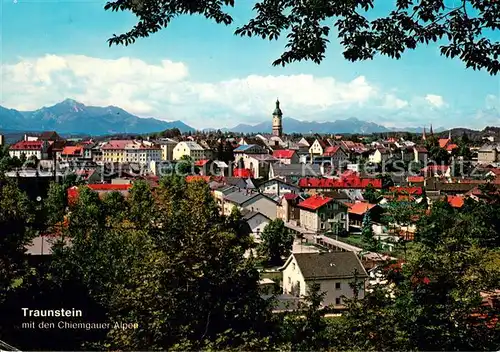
199 72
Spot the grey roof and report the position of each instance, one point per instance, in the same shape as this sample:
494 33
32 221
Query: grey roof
226 189
303 170
278 180
248 214
239 182
221 164
329 265
240 197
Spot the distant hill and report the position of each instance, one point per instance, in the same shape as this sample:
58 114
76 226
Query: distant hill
350 125
72 117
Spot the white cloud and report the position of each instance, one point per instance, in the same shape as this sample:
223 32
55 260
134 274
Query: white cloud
165 90
435 100
393 102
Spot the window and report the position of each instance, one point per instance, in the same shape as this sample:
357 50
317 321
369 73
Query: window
337 285
337 301
289 281
293 266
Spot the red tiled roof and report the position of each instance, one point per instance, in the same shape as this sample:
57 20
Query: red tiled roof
315 202
416 179
242 173
495 170
193 178
72 192
407 190
360 208
329 151
456 201
71 150
450 147
290 196
27 145
109 187
116 144
351 182
443 142
201 162
283 153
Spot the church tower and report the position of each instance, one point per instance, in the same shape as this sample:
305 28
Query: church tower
277 120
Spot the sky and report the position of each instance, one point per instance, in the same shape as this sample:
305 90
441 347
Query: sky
201 73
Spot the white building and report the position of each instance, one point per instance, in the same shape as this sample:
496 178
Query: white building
36 148
321 214
167 146
334 273
188 148
142 153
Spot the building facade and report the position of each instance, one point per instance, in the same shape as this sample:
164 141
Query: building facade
188 148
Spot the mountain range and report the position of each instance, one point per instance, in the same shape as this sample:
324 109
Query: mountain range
72 117
349 125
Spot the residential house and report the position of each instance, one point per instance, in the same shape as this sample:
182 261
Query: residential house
322 214
277 187
318 147
380 155
240 182
255 223
259 164
488 153
287 209
436 170
49 136
359 210
250 200
314 185
205 166
221 191
38 149
142 153
293 172
420 154
210 147
247 149
337 155
167 146
71 153
335 273
220 168
188 148
113 151
286 156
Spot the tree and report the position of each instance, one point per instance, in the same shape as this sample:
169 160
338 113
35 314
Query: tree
186 166
306 329
15 233
141 204
176 270
367 233
55 204
276 242
439 155
463 30
370 194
